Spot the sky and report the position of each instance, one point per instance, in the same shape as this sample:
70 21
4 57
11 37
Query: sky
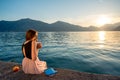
78 12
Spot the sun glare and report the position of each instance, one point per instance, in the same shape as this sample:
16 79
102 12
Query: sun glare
101 36
102 20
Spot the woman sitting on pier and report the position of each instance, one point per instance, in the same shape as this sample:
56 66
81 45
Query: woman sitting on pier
31 63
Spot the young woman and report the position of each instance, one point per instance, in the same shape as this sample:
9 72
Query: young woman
31 63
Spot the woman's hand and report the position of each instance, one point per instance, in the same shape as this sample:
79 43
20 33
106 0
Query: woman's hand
39 45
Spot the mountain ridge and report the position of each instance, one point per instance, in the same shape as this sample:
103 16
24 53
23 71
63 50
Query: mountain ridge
24 24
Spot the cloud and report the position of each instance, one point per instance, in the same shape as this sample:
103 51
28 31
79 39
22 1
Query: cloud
82 21
91 19
115 20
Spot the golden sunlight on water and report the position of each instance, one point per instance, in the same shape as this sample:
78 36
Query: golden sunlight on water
101 36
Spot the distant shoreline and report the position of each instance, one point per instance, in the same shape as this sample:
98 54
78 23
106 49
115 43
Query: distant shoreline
58 26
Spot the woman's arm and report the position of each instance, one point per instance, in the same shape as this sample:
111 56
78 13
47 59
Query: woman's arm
39 45
34 57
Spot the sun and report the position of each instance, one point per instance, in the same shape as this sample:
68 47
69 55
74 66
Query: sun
102 20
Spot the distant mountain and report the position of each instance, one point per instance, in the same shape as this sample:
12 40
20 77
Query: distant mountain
93 28
64 26
22 25
117 26
110 27
25 24
117 29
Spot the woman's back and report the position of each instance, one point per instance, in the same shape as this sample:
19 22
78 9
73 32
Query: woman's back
27 47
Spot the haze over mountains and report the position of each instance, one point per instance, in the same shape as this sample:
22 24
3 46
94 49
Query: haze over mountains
25 24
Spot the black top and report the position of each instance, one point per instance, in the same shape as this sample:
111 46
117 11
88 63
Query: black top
28 49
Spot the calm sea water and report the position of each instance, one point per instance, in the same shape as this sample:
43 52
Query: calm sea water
95 52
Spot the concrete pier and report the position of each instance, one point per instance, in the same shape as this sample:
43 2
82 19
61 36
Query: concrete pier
6 73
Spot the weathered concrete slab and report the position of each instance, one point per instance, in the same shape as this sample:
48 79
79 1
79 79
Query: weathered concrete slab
6 73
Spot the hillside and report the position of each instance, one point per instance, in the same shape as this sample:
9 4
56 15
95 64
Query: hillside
25 24
111 27
22 25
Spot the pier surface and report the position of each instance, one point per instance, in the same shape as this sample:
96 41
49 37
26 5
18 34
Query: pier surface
6 73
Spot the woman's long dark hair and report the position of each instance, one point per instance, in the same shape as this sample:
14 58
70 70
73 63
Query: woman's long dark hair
30 34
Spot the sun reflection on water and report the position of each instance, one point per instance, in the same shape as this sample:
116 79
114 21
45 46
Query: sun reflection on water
101 36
